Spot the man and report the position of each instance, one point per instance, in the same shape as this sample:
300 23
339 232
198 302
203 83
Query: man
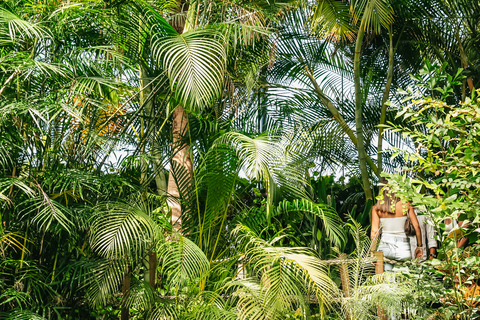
469 240
429 242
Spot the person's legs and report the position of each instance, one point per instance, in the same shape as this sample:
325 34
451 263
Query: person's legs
388 250
395 249
387 267
403 252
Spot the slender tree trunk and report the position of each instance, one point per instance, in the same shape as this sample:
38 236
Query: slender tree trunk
336 115
150 275
181 157
125 314
180 164
147 108
160 179
362 156
386 94
464 60
152 259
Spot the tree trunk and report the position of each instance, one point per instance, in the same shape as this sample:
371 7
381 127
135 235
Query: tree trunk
386 94
336 115
362 156
125 314
152 261
181 164
145 90
181 161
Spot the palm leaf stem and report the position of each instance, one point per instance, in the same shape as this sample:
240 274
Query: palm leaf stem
56 257
196 184
144 90
338 117
202 226
359 116
8 80
24 245
386 92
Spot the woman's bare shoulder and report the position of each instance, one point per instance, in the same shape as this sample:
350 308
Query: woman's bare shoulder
401 208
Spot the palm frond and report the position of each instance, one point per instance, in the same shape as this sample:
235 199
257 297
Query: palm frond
166 312
285 273
6 184
22 315
18 28
48 213
195 63
332 224
183 260
331 20
210 305
374 14
104 280
141 295
122 229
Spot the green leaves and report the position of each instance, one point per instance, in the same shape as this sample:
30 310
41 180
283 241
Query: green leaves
195 63
268 158
331 20
14 28
123 230
103 279
331 222
287 276
183 261
374 14
446 161
22 315
44 211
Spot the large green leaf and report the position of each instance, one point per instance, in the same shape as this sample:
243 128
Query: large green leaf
374 14
195 63
183 260
123 229
331 222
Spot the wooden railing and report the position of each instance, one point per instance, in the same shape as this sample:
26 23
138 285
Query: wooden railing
378 259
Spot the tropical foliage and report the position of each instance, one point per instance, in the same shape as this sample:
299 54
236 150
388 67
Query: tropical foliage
202 159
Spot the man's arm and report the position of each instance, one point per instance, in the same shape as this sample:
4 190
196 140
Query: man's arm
464 241
375 229
431 241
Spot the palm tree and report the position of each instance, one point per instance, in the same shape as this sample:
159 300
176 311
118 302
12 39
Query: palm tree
196 60
365 17
307 59
330 63
291 275
59 104
57 158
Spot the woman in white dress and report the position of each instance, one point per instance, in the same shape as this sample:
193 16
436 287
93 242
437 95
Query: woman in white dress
388 215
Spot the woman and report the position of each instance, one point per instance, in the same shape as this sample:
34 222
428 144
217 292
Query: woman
388 216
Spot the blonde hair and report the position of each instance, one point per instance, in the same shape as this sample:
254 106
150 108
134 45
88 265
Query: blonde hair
388 200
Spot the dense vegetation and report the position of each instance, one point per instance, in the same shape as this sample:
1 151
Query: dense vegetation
202 159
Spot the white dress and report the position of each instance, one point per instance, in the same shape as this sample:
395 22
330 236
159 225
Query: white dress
394 242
